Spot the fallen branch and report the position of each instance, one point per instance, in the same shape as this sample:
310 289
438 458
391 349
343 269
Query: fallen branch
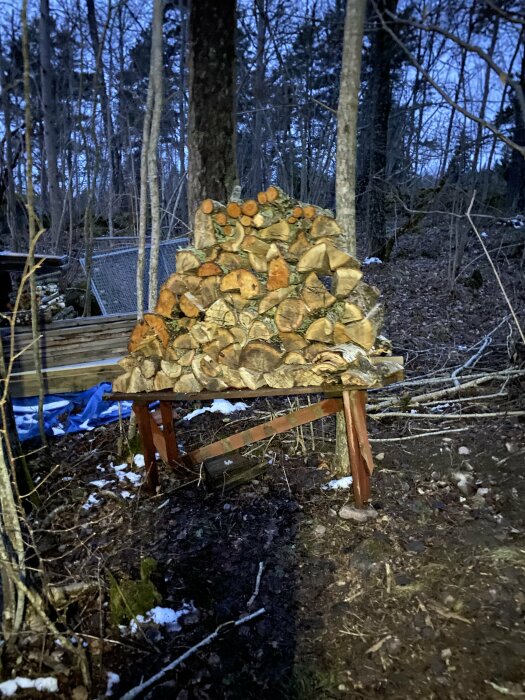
444 416
422 435
257 584
137 690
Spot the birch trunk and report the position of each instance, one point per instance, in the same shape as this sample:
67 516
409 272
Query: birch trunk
156 85
346 163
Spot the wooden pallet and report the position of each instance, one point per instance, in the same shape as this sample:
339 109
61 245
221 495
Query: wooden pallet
163 439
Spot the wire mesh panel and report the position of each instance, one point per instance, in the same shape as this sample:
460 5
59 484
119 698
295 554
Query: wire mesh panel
114 275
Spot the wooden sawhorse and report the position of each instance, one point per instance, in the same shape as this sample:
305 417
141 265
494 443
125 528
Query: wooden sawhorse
163 440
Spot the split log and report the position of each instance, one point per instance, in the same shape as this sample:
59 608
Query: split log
280 378
273 299
171 369
351 312
259 330
305 376
259 356
300 245
253 380
137 383
221 313
315 295
246 221
187 384
278 274
209 290
206 373
162 382
232 377
209 269
345 280
229 261
239 335
257 263
324 226
158 326
234 242
185 341
186 261
315 259
166 303
203 231
361 332
246 282
311 352
338 258
252 244
293 341
190 305
290 315
236 300
230 355
294 358
273 252
279 231
140 334
149 366
320 330
179 283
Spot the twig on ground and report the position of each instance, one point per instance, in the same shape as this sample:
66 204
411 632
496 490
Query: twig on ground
444 416
423 435
137 690
257 584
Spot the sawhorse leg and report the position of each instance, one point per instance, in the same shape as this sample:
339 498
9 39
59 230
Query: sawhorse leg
143 417
359 452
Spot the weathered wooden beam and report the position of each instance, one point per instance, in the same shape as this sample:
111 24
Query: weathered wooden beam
358 409
327 407
168 432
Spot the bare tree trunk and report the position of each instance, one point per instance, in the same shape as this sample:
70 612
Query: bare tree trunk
50 121
516 181
156 85
346 163
212 166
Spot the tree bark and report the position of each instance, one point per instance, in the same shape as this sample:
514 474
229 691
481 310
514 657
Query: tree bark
379 93
345 176
212 166
50 121
516 173
156 85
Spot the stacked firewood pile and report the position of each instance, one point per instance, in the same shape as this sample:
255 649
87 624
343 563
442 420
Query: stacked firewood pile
264 299
50 301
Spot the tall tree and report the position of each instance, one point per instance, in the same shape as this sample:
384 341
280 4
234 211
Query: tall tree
212 163
50 122
378 99
346 159
516 171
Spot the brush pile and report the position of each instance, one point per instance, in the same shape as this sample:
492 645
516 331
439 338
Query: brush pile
265 298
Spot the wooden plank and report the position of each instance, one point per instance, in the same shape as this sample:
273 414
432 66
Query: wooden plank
63 379
148 447
361 479
168 430
358 409
73 323
159 439
327 407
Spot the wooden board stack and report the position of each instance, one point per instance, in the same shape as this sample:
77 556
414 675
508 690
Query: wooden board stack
264 299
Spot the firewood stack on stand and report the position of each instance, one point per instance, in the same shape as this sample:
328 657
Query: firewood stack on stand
265 298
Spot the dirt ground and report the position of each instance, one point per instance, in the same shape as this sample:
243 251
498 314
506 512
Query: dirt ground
425 601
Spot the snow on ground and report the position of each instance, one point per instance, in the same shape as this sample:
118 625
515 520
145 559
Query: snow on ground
343 483
91 501
164 617
47 684
113 680
372 261
122 474
218 406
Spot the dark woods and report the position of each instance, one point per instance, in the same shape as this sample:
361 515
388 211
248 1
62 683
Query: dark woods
441 112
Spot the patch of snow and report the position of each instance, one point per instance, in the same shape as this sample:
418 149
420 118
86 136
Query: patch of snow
138 460
91 501
119 467
218 406
164 617
228 461
127 494
122 475
47 684
113 680
343 483
372 261
100 483
484 234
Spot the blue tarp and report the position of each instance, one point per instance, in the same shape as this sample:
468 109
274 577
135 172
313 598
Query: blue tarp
68 413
